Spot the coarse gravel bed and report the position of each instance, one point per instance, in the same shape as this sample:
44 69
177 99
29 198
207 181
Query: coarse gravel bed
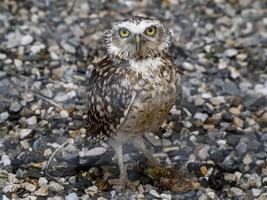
216 138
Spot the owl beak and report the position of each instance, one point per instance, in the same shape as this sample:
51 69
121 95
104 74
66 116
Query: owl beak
137 42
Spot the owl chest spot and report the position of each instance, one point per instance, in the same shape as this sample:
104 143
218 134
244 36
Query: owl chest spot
152 104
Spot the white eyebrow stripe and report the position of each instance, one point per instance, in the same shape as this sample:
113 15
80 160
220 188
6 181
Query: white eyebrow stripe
136 28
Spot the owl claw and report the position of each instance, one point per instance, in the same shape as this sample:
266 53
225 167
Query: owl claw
123 182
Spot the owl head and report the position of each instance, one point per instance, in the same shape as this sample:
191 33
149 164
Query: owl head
137 38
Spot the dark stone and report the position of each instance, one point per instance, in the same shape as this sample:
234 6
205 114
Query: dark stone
83 182
230 88
207 110
216 180
227 117
34 173
215 154
254 104
233 139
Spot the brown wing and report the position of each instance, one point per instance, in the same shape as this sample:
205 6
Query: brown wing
109 99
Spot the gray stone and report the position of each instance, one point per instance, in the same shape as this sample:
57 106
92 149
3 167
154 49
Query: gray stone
68 47
3 116
15 106
55 187
242 148
72 196
203 153
231 88
247 159
153 140
201 116
237 191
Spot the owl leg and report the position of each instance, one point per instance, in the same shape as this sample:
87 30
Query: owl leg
123 180
140 145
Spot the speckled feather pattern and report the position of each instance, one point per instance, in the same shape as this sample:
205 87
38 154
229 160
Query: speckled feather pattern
122 103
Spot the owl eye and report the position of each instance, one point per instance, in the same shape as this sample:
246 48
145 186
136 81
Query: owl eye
124 32
150 31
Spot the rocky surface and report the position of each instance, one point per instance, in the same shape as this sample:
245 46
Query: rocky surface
218 137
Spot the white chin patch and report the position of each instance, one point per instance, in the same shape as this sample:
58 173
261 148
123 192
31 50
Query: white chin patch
146 67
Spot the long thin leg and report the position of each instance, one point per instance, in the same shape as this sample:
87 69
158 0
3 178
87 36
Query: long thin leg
119 153
140 144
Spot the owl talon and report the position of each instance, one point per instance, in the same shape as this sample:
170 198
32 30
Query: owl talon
123 182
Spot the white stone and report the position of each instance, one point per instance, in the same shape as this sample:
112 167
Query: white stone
203 153
72 196
32 120
231 52
64 113
18 63
236 191
3 116
154 193
256 192
26 39
5 160
91 190
201 116
42 182
166 196
36 48
92 152
43 191
247 159
29 187
67 47
2 56
25 133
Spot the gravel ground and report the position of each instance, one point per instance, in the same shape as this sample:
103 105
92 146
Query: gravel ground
217 138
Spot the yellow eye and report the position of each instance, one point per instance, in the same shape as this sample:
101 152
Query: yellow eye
124 32
150 31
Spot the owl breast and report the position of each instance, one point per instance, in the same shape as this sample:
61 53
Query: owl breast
154 99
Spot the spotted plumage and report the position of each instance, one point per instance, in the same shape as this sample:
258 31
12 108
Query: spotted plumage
132 90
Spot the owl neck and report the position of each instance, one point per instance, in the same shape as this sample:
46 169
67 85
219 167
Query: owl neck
146 68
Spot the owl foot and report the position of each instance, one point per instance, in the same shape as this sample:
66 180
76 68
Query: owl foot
123 182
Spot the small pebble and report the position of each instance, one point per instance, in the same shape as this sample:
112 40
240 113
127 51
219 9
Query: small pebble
15 106
43 191
55 187
64 113
72 196
29 187
27 39
25 133
237 191
154 193
32 120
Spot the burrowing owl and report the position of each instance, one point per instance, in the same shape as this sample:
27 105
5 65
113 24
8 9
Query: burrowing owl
132 90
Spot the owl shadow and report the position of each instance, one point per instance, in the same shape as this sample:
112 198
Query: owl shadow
99 169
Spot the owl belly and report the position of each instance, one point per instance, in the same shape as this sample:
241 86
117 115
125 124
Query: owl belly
147 113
